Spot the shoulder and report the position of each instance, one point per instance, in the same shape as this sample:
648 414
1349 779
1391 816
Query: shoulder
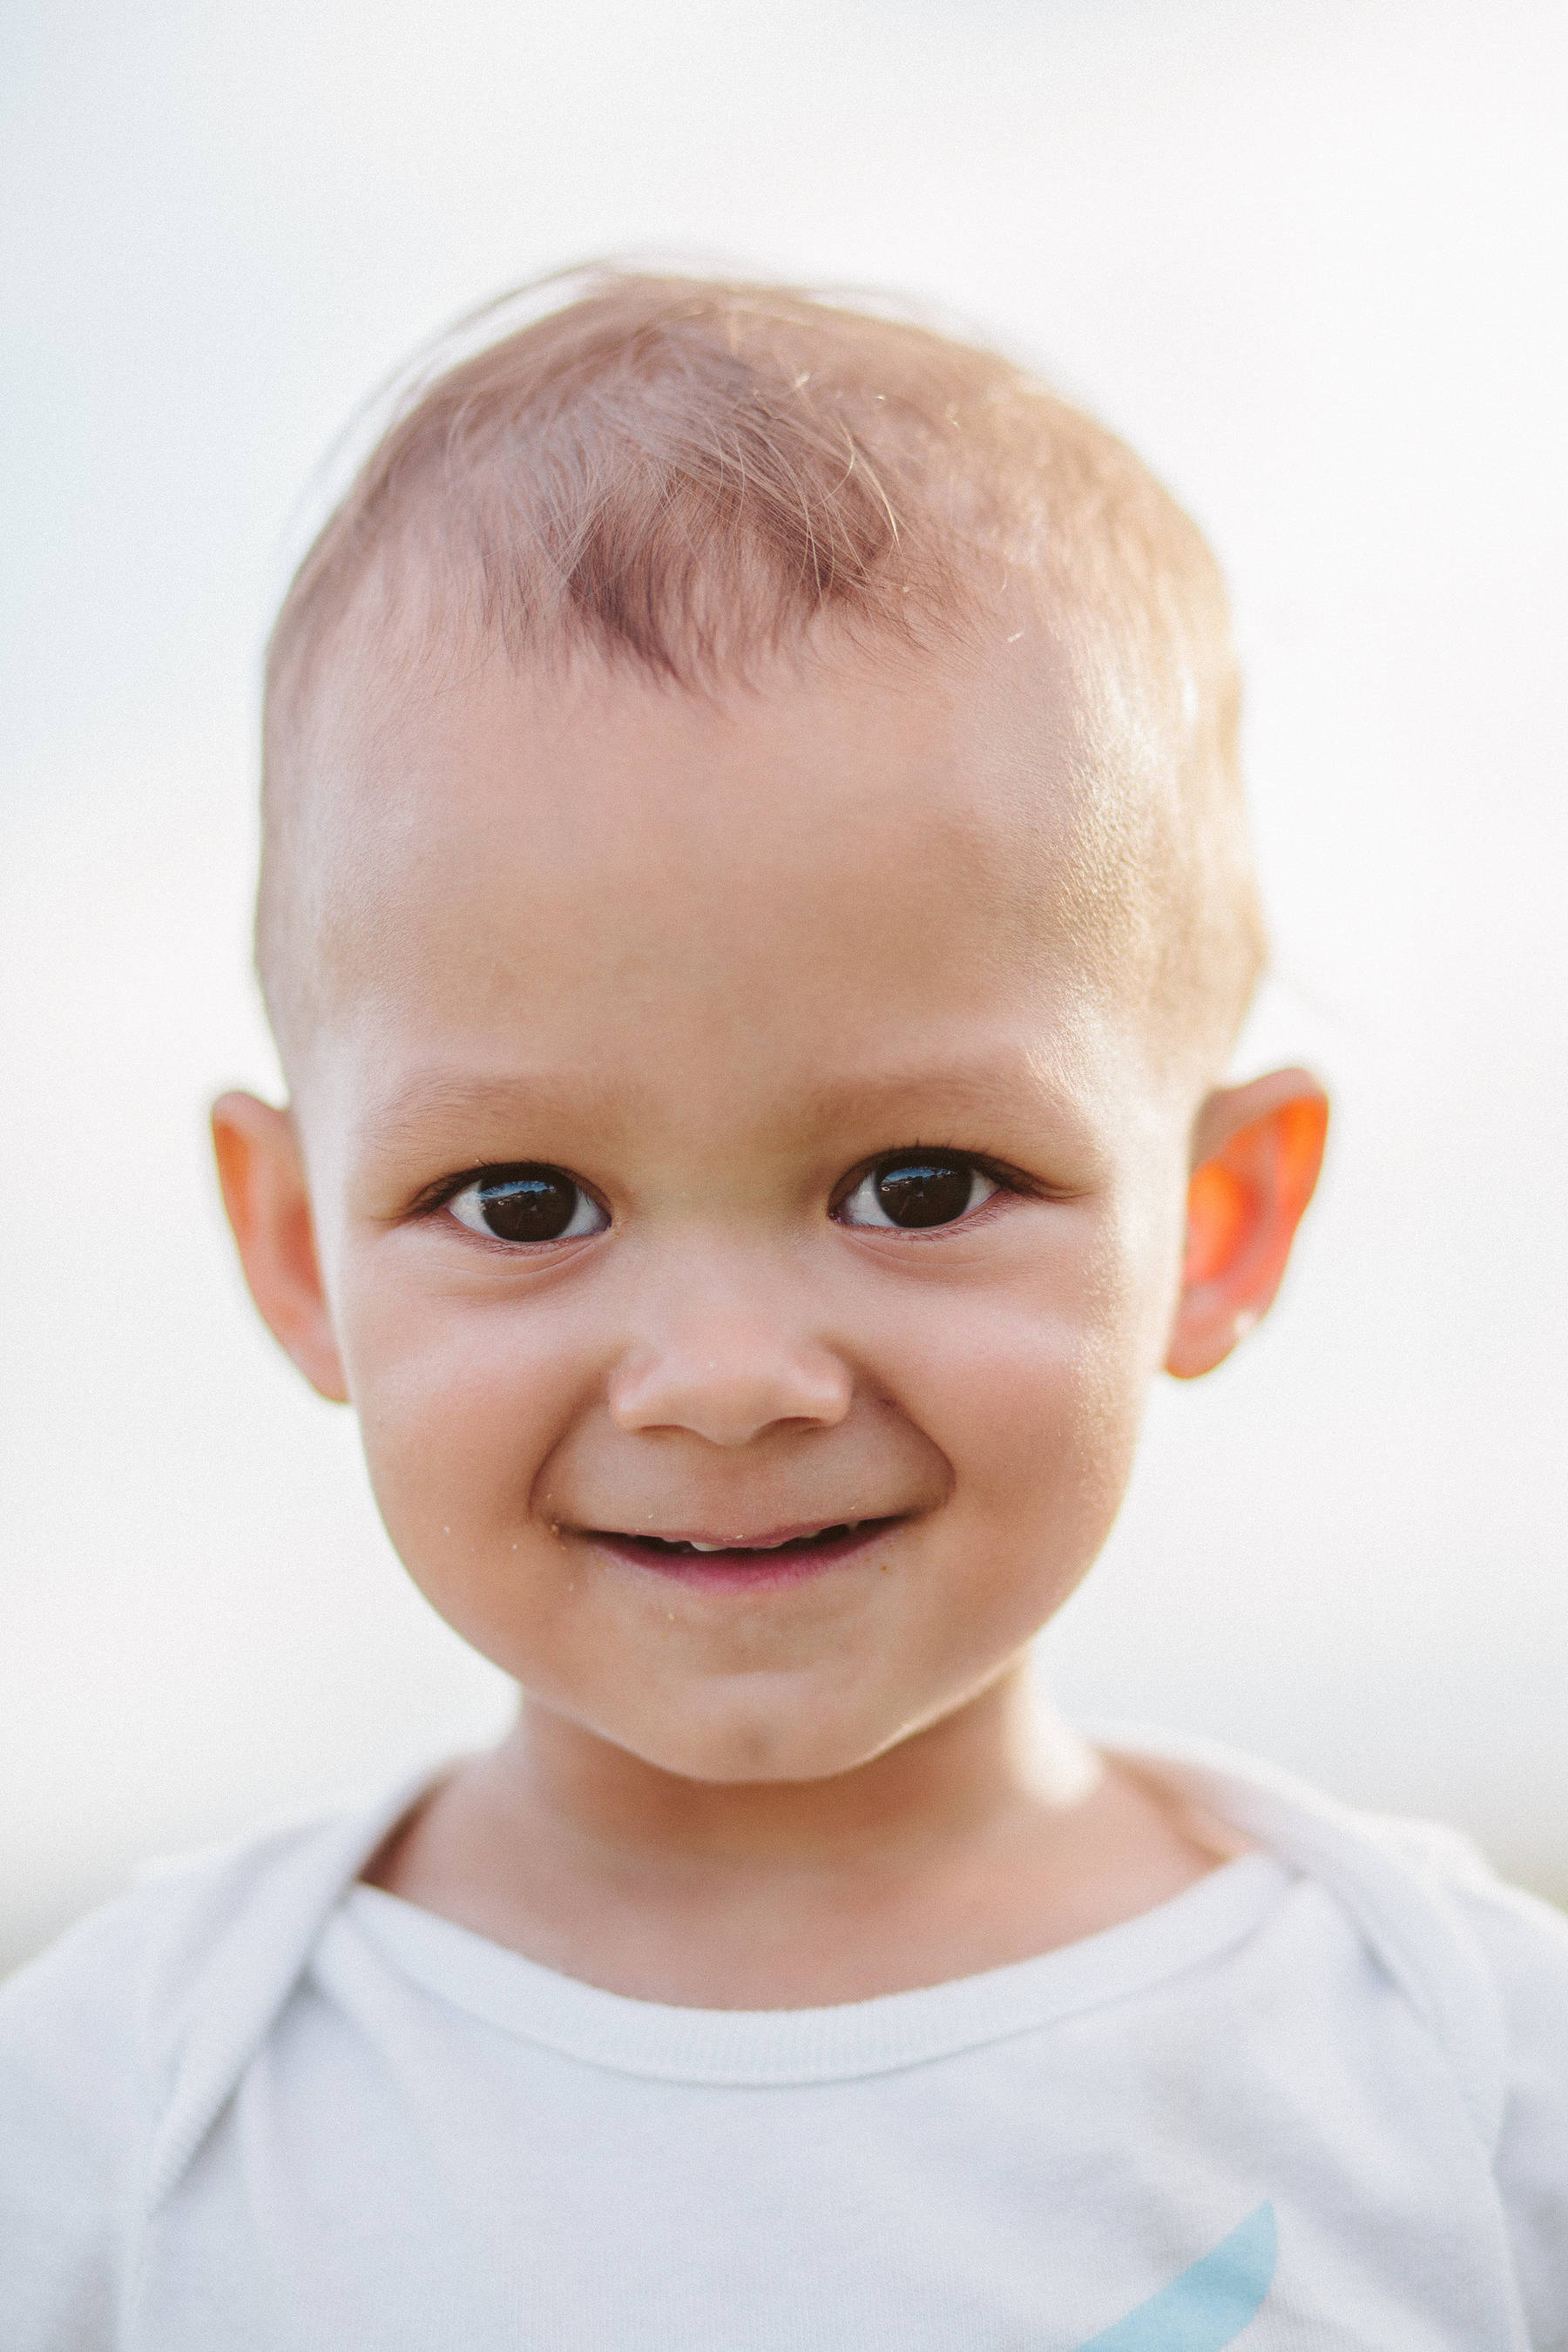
119 2043
1523 1947
1483 1964
72 2099
1526 1945
1470 1953
130 1968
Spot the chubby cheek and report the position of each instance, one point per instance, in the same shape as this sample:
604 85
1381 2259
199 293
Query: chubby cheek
1036 1400
459 1405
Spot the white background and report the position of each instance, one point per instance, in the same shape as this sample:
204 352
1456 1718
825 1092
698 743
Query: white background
1311 259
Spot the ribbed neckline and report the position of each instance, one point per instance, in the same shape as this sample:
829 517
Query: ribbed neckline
775 2047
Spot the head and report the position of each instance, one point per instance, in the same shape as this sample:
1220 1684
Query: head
755 912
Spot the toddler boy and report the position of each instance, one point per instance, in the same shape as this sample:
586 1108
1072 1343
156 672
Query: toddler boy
755 912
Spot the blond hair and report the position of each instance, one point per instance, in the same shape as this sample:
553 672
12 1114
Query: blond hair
685 474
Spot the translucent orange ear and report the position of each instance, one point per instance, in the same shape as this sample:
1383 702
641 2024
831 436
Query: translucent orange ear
1245 1200
1217 1216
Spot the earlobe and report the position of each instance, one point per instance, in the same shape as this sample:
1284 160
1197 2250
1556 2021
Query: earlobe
1258 1149
266 1194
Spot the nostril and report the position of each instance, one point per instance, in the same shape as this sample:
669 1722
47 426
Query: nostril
732 1396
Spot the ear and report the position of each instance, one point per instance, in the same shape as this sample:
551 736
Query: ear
1256 1150
264 1190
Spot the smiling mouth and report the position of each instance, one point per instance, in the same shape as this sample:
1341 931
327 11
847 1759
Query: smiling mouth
783 1554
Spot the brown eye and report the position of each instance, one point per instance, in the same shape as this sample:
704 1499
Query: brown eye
528 1203
926 1189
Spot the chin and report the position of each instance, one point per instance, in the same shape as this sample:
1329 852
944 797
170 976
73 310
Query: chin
737 1746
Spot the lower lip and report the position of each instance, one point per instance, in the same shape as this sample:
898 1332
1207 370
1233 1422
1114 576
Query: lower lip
749 1571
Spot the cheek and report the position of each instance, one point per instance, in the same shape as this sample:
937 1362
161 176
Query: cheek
1035 1393
460 1404
1038 1418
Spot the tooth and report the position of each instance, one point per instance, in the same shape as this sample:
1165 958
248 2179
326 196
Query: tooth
689 1543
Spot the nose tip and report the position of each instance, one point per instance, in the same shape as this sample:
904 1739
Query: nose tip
730 1393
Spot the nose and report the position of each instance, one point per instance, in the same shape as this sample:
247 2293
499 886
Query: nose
729 1378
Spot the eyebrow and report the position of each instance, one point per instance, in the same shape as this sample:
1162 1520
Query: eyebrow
981 1086
438 1097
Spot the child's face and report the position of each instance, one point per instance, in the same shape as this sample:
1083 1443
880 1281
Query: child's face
708 984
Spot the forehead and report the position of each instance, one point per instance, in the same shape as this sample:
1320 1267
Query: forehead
838 863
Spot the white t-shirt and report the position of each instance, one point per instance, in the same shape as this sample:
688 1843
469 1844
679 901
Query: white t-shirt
1318 2102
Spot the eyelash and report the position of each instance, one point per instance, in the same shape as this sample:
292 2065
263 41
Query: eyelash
1007 1180
448 1189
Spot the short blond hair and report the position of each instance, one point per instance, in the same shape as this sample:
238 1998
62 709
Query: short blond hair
685 474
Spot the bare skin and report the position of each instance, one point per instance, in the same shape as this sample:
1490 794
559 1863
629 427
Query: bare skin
985 1839
726 970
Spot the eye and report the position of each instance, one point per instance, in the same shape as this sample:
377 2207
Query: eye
527 1204
921 1189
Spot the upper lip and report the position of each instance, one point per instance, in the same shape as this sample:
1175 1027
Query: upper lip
711 1539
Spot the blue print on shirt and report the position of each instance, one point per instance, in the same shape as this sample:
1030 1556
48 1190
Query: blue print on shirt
1208 2306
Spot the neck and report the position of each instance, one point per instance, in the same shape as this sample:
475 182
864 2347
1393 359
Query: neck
990 1836
998 1753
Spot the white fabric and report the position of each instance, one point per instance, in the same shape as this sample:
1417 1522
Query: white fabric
1320 2100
